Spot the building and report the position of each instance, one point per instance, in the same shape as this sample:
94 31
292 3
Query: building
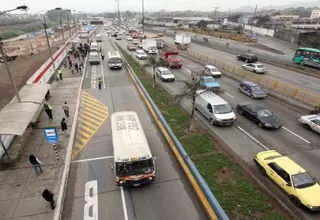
190 20
284 18
315 14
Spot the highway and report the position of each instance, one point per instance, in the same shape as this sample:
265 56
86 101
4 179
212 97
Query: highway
246 139
92 192
301 81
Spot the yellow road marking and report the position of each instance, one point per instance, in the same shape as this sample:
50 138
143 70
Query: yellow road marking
92 115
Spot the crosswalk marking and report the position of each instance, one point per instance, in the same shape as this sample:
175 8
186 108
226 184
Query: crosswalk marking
92 114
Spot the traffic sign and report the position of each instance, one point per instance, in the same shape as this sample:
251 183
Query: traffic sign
51 135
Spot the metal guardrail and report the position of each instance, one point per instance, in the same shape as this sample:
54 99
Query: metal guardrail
204 187
274 84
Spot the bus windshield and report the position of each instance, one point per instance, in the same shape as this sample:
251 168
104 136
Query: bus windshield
307 56
134 168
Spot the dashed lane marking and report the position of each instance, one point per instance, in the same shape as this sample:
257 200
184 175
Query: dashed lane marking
92 114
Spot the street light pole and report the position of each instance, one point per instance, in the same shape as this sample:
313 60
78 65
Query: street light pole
61 25
48 42
31 46
23 7
8 71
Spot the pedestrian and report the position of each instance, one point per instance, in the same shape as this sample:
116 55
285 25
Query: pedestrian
102 55
70 64
60 74
64 127
48 95
315 111
48 196
48 110
76 66
65 108
36 163
99 83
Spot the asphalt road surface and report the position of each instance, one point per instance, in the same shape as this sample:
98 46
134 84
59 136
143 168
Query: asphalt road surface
246 138
92 192
300 80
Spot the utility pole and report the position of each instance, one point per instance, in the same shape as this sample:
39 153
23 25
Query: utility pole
142 19
254 15
31 46
119 16
215 13
4 57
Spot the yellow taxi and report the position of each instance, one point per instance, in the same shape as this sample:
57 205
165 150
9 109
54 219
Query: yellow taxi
293 179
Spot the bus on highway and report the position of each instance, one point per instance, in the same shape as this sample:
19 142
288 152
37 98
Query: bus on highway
307 56
134 164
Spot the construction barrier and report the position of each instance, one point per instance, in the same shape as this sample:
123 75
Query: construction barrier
276 85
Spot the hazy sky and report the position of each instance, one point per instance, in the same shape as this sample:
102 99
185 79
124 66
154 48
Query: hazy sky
150 5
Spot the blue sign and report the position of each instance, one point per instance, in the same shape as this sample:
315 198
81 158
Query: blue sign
51 135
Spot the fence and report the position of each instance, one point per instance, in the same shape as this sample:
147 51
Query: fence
273 84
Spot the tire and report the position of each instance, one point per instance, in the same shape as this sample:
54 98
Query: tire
252 96
240 111
302 63
295 201
246 60
307 126
254 71
211 121
262 170
260 125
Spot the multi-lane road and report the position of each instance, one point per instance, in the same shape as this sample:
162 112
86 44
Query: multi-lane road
294 78
92 192
246 138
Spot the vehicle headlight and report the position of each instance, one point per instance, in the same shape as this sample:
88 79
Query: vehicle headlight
122 182
267 125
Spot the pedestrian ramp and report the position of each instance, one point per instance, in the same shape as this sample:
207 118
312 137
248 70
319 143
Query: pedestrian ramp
92 114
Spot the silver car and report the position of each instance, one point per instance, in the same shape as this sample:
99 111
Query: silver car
255 67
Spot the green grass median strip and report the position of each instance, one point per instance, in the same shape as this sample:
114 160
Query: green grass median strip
236 194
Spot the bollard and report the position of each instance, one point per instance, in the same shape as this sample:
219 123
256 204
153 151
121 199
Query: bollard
56 152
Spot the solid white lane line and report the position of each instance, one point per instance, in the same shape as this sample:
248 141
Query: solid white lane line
315 85
298 136
252 138
124 205
228 95
189 71
102 74
91 159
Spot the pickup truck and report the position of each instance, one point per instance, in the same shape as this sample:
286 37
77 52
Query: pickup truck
171 58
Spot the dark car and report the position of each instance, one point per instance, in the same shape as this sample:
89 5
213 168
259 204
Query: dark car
252 89
247 57
260 115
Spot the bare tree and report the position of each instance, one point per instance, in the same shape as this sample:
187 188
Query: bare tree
152 62
190 91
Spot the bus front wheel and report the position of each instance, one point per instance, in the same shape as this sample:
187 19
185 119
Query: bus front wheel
302 63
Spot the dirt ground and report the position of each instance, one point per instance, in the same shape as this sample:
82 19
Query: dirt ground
23 67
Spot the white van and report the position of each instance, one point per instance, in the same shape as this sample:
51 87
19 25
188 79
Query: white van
114 60
94 46
214 108
94 57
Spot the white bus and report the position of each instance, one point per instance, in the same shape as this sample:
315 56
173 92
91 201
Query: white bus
134 164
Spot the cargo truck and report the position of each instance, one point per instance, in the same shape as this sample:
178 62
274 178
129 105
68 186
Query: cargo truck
160 43
150 46
171 58
182 41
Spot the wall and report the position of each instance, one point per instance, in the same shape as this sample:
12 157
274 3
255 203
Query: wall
261 31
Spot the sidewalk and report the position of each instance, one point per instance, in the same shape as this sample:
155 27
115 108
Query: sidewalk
20 187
